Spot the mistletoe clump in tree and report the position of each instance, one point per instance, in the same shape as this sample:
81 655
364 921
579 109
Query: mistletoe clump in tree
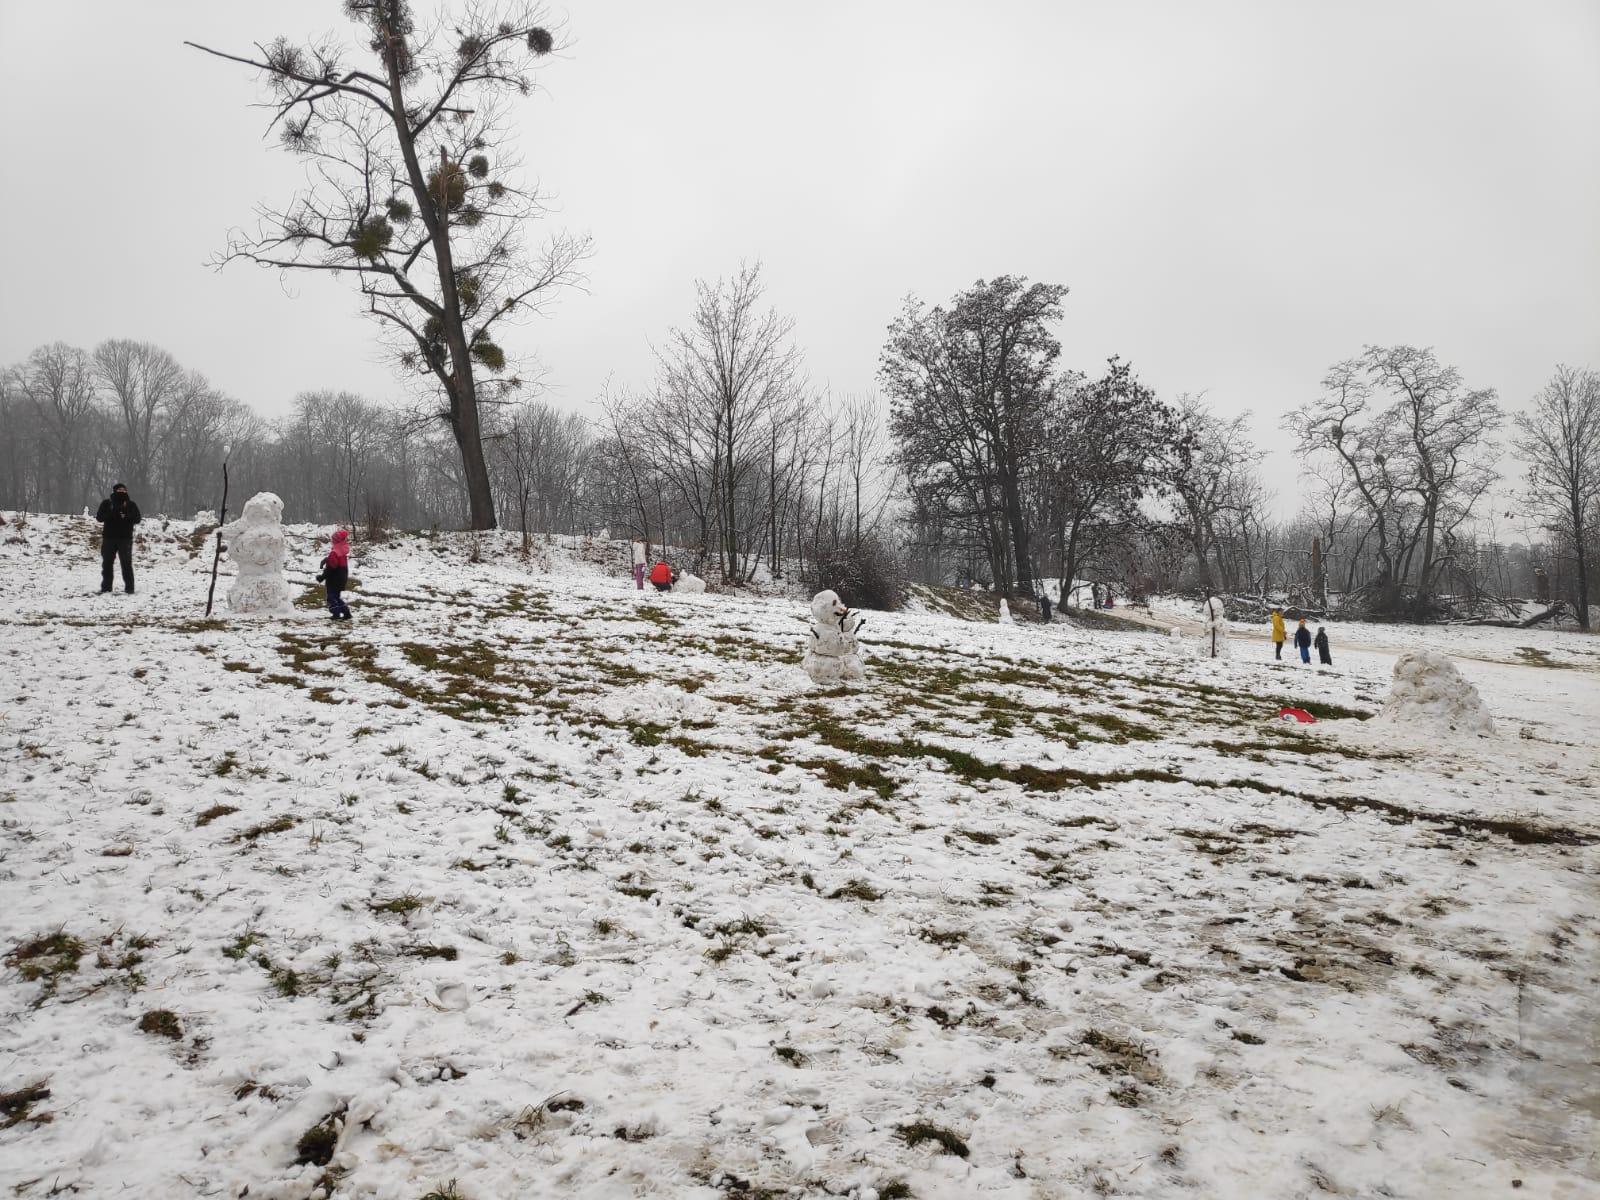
411 192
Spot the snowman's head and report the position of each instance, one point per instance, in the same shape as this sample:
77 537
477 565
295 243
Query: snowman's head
826 608
264 508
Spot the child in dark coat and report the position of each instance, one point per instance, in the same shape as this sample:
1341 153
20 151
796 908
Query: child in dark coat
1302 641
335 575
1321 642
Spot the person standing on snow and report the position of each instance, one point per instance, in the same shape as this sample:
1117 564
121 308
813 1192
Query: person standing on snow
1044 607
1324 655
661 575
335 576
1302 641
118 515
1278 634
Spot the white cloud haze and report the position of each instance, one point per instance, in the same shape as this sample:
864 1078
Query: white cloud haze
1237 194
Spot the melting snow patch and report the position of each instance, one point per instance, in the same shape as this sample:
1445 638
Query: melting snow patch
654 703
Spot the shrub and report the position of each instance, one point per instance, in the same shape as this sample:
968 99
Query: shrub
868 574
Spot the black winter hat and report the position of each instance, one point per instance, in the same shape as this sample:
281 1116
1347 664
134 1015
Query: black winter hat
119 487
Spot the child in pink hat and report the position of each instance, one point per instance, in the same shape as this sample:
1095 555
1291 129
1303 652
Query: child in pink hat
335 575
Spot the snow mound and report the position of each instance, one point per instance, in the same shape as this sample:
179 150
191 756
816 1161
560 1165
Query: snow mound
692 584
653 704
1428 691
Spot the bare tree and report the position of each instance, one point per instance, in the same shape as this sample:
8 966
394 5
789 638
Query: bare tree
1210 467
1559 438
411 192
732 376
57 383
144 382
1417 464
1443 426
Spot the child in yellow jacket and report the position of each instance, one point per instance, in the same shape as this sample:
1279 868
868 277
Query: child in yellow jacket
1278 633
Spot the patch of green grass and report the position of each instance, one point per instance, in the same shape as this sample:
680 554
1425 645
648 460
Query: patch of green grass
1324 710
279 824
744 925
399 906
46 959
240 946
856 889
317 1144
161 1022
286 981
17 1106
842 776
448 953
947 1140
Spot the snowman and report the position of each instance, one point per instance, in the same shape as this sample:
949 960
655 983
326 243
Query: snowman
1214 630
832 654
1005 614
255 545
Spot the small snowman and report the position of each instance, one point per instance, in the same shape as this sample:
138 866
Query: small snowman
1214 630
833 654
1005 614
255 545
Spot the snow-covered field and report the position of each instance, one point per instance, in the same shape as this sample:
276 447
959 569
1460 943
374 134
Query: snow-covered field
525 884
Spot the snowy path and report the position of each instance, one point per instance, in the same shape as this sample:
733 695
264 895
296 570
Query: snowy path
585 893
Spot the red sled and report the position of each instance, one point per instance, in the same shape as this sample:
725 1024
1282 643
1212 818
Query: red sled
1296 714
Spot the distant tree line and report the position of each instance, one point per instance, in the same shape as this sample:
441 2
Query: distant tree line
1018 469
988 462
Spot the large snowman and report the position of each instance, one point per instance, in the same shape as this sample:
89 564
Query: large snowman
255 546
832 653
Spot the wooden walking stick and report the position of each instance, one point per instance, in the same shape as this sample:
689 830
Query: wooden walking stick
222 519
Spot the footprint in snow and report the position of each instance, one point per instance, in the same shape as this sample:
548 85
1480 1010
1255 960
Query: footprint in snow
454 997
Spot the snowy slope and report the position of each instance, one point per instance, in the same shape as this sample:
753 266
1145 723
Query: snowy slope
529 882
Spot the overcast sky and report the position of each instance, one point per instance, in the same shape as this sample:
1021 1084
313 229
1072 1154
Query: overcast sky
1237 194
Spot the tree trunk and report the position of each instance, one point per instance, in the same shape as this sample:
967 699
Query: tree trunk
1581 553
460 386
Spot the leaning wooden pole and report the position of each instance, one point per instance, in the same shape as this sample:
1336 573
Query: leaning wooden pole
216 554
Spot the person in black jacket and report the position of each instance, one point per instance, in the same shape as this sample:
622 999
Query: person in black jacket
1321 642
118 515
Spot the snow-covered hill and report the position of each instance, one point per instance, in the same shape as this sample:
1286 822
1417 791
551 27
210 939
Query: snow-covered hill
527 884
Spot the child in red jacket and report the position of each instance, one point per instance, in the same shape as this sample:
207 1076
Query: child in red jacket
336 575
